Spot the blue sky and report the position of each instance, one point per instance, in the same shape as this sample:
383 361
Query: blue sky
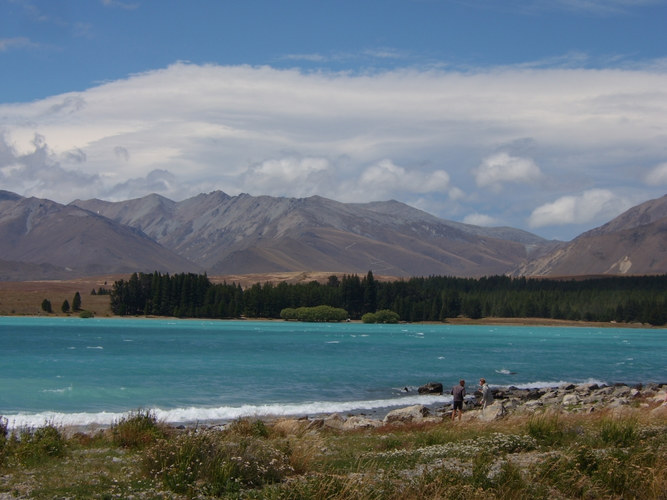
550 116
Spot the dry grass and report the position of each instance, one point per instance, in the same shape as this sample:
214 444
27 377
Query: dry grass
602 455
25 298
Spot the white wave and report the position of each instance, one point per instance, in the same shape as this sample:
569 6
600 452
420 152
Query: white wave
94 347
505 371
540 384
220 414
64 389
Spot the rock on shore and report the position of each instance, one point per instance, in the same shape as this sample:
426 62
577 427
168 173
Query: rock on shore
512 401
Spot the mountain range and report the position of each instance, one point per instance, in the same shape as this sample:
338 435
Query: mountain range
224 235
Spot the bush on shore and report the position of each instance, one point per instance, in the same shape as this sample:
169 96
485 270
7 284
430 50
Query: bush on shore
383 316
317 314
545 455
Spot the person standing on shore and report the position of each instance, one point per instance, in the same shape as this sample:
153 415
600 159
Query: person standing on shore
487 395
459 392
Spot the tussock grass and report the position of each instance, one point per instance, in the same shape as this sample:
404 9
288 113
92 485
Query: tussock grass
138 430
539 456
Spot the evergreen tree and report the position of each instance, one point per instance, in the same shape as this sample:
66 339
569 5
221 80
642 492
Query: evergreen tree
370 293
76 302
65 306
46 306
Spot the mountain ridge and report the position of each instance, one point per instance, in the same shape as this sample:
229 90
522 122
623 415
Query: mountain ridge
635 242
231 235
255 234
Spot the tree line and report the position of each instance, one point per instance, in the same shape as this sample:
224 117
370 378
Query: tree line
65 307
623 299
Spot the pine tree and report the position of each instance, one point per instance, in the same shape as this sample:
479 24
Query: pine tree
76 302
46 306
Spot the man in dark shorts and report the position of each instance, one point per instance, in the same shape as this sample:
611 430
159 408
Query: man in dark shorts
458 391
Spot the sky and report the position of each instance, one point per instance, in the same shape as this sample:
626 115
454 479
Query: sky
544 115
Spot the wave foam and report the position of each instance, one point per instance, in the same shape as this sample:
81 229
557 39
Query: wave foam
544 384
219 414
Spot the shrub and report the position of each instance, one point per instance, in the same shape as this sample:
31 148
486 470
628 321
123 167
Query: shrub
208 462
86 314
289 313
618 432
314 314
4 432
247 427
137 430
382 316
548 430
35 446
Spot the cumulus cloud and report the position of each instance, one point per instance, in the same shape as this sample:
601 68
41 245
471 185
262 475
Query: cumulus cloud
38 173
582 208
75 156
385 180
657 176
480 220
121 153
298 176
431 138
157 181
501 168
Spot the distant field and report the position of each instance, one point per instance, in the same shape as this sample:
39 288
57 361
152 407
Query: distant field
25 297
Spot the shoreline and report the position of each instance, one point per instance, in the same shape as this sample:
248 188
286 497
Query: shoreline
461 321
24 298
508 401
547 446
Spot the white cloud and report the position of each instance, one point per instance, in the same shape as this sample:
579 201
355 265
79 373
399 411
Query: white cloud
480 220
415 136
501 168
7 44
121 153
157 181
38 173
657 176
605 6
585 207
299 176
385 179
121 5
596 7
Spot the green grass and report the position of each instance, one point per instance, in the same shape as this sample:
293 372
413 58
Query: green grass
543 456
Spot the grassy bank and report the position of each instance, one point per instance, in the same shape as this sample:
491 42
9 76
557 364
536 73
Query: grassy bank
541 455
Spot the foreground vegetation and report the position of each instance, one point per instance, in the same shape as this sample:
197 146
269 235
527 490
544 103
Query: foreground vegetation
544 455
625 299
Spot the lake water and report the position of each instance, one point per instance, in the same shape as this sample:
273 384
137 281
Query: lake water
74 371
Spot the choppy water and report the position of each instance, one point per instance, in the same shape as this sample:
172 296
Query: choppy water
92 371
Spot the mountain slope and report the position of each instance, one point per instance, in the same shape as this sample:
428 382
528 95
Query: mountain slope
635 242
246 234
67 241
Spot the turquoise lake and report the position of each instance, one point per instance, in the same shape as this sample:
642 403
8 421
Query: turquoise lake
76 371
